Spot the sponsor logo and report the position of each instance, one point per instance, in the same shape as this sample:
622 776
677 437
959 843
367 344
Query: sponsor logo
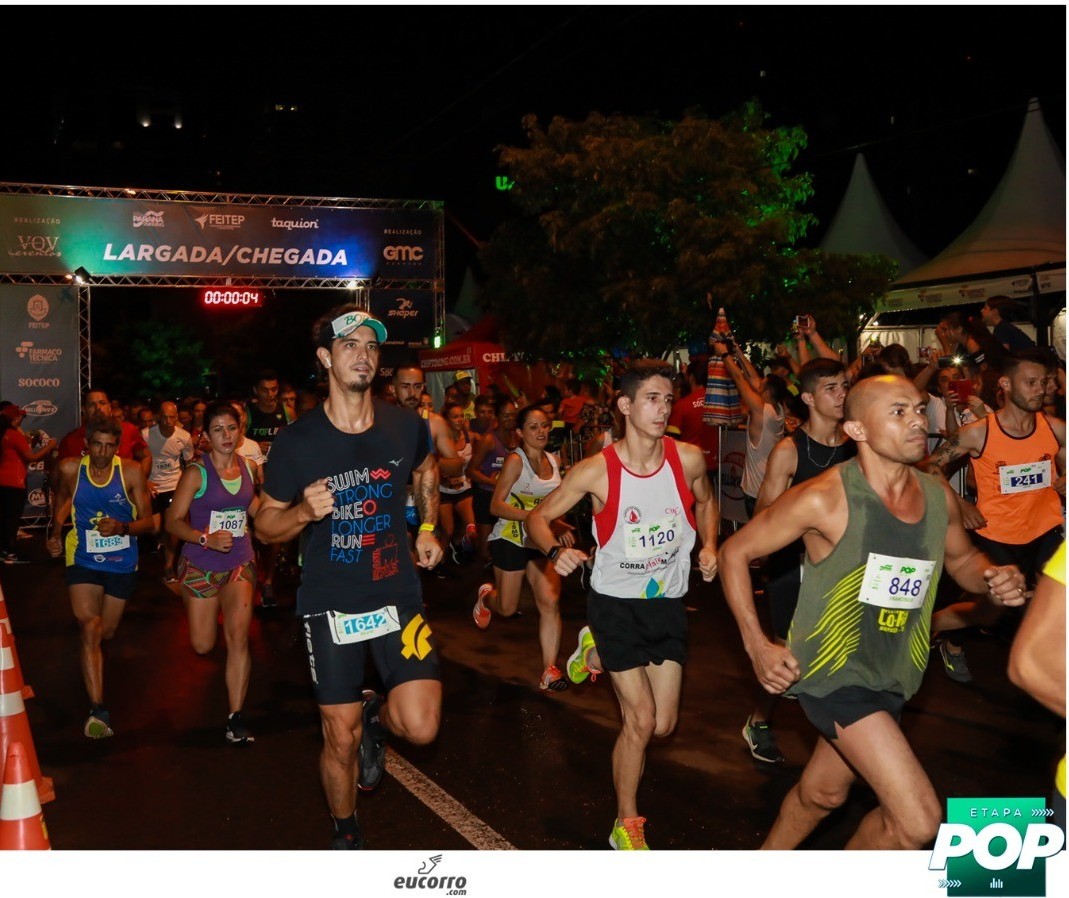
995 846
37 307
404 309
37 355
300 224
220 221
380 474
731 469
632 515
149 220
40 408
495 357
428 876
37 498
400 254
415 639
36 245
38 382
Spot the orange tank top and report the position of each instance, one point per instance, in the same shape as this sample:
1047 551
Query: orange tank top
1014 483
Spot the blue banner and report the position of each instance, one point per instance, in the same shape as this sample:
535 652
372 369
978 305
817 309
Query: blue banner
54 235
39 369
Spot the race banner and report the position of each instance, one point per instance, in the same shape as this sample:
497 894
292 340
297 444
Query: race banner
39 369
407 314
55 235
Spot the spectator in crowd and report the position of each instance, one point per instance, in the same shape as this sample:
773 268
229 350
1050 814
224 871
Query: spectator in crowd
997 315
17 452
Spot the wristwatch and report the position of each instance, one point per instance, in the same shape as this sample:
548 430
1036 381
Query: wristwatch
203 540
554 552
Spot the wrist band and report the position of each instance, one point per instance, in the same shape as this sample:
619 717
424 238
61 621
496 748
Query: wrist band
427 528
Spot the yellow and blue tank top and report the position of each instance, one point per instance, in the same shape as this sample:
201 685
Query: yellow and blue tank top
85 546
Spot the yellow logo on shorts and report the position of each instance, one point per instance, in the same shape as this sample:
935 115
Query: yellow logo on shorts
415 638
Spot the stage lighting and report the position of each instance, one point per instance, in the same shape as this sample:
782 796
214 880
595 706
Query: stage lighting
81 276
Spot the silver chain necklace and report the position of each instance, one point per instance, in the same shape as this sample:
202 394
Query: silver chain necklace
809 455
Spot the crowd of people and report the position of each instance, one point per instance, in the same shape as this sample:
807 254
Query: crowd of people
834 580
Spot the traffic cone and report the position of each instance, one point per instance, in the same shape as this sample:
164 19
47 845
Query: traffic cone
22 825
14 725
5 623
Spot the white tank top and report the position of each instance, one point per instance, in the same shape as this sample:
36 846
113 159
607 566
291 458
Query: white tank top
528 490
645 532
464 481
753 472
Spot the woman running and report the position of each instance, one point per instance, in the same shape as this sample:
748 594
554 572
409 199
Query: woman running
487 458
210 513
454 493
528 475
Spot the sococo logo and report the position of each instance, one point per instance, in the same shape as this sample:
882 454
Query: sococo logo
995 846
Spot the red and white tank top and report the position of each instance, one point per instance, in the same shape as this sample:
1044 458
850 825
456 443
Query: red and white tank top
645 532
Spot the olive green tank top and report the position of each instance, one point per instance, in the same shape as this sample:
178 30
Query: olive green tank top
864 612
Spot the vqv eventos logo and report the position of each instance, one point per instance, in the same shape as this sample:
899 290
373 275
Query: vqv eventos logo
37 355
995 846
429 878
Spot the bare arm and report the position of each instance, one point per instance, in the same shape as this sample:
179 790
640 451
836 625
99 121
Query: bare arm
479 451
1037 656
750 397
779 472
588 477
66 471
500 507
279 522
425 492
786 520
824 351
450 464
706 510
971 569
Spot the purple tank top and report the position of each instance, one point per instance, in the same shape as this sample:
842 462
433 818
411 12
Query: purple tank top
230 514
492 461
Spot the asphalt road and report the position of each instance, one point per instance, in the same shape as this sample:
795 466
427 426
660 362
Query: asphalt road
513 767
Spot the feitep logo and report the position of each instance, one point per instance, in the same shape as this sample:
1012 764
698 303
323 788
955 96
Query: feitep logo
995 846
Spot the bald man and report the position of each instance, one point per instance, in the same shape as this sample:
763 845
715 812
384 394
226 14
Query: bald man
877 533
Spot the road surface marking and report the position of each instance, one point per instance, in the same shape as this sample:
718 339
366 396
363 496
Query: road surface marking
455 815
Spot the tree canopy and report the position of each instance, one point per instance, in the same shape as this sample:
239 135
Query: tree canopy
631 232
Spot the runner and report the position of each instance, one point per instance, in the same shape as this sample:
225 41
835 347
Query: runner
209 513
528 475
171 448
487 457
877 534
108 501
651 497
341 470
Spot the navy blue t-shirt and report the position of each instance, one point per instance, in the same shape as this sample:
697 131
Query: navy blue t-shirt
357 558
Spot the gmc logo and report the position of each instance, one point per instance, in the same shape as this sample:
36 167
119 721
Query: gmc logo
403 253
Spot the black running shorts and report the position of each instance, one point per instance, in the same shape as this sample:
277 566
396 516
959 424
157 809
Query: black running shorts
632 633
400 657
118 585
848 705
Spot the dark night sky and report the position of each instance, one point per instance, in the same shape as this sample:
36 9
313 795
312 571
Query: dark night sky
410 101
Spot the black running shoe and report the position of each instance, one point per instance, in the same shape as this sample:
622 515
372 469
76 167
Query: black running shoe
348 841
372 752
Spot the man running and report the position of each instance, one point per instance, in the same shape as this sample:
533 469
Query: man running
1018 458
813 448
109 507
877 534
341 470
651 497
171 448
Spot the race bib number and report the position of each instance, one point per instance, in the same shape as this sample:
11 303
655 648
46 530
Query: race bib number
98 544
232 520
1024 478
647 540
348 628
892 582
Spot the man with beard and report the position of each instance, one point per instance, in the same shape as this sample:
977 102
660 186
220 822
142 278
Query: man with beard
341 470
1018 459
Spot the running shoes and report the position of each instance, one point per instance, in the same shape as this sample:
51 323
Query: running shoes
762 742
372 749
480 613
552 680
629 835
578 667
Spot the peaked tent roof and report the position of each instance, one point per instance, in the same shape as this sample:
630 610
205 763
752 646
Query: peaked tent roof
864 224
1020 229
